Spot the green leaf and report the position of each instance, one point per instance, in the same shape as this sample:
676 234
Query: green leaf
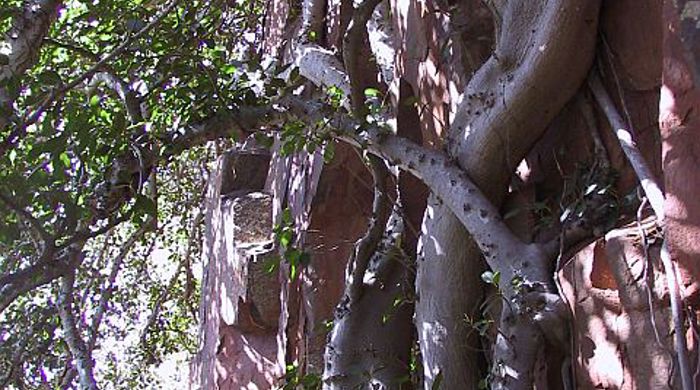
65 159
293 271
491 277
285 238
94 101
372 92
13 156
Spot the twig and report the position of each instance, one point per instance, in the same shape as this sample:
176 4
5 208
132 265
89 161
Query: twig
106 294
31 220
647 274
57 93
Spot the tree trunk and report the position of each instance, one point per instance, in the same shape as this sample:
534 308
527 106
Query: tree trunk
500 117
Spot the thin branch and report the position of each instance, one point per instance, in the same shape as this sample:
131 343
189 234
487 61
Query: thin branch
161 299
106 294
656 198
646 178
32 118
86 233
367 245
48 239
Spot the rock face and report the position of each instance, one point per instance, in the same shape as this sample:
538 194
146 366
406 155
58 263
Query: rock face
240 304
251 218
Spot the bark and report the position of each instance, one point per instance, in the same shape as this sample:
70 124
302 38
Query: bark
19 50
370 342
504 110
84 362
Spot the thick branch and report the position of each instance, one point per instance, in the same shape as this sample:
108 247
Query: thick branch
19 49
224 124
18 283
50 267
369 242
503 250
83 358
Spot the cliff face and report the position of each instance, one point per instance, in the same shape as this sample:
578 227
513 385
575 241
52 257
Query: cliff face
620 333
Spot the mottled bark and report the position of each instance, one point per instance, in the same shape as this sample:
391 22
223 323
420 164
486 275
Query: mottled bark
19 49
506 107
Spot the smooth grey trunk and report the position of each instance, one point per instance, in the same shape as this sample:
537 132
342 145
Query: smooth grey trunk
505 109
371 338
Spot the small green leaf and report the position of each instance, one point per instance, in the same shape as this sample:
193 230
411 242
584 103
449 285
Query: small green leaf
371 92
491 277
293 271
286 238
94 101
65 159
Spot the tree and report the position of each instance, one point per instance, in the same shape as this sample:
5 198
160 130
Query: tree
435 186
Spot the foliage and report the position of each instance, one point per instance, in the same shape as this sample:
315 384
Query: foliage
294 379
77 124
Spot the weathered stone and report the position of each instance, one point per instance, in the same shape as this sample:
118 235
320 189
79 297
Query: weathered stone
250 216
259 310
